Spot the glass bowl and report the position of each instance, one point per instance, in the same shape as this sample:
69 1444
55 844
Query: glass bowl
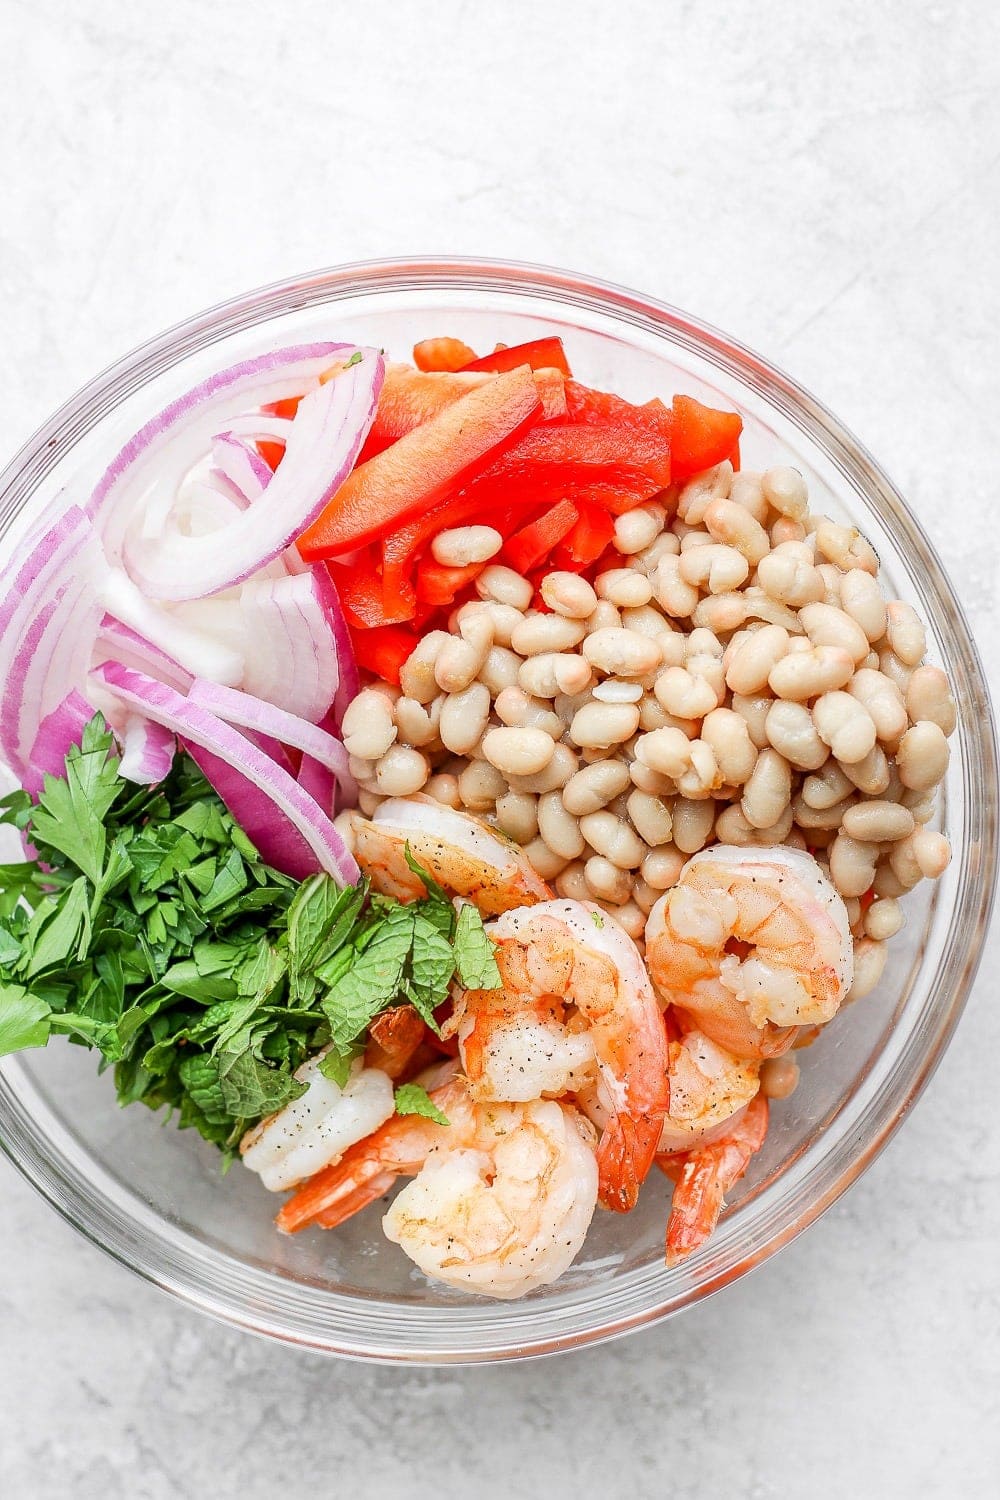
153 1197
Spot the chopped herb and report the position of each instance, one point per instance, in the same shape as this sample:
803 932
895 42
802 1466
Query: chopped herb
597 919
149 928
411 1099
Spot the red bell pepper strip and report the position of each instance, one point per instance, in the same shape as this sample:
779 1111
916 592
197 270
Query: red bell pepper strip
383 651
589 538
359 584
402 548
558 461
438 585
540 354
702 436
424 465
443 354
411 397
535 542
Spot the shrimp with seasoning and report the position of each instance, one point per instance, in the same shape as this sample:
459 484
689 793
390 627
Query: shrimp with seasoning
502 1195
575 1003
317 1128
751 945
464 856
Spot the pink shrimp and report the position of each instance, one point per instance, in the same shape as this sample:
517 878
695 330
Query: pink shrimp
576 1006
704 1176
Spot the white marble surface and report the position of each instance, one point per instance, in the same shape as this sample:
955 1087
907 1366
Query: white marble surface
823 181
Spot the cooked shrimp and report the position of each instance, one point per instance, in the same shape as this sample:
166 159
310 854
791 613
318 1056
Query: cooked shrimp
502 1198
576 1000
463 855
318 1127
705 1175
709 1090
752 944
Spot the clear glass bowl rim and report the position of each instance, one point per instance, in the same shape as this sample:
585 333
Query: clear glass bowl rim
189 1274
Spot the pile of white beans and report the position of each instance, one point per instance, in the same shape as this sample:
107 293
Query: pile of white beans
740 678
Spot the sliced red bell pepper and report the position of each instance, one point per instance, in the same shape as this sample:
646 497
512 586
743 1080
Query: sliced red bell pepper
410 397
425 464
702 436
589 538
438 585
401 549
359 584
383 651
271 453
443 354
540 354
558 461
535 542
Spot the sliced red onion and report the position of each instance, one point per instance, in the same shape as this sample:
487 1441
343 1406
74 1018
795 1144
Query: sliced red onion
248 712
241 465
59 730
288 827
148 750
119 642
321 784
262 426
47 608
169 445
349 684
329 428
201 654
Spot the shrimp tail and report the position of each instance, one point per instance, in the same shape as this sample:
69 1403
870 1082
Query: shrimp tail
706 1177
624 1156
393 1040
336 1193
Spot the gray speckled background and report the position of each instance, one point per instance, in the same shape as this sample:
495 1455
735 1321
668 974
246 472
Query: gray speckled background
824 182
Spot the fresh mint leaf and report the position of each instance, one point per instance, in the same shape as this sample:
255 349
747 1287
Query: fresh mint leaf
336 1064
432 964
411 1099
373 981
475 961
251 1089
24 1020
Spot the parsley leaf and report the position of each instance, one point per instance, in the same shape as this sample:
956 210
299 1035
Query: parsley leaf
24 1019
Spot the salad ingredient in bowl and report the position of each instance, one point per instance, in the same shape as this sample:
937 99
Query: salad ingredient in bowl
341 657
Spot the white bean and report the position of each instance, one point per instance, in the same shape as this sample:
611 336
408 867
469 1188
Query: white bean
675 597
608 835
518 752
786 491
626 588
416 676
852 865
718 568
869 962
884 919
883 701
600 725
871 774
790 729
728 735
418 724
650 817
845 725
922 757
667 751
542 633
790 578
826 787
684 694
829 626
607 881
621 653
638 528
845 546
500 669
444 789
505 586
928 696
464 545
544 860
904 633
401 771
806 674
729 523
751 656
701 489
562 765
662 867
569 595
878 822
463 718
368 729
479 785
768 790
517 816
561 831
863 600
692 827
748 491
517 709
594 786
